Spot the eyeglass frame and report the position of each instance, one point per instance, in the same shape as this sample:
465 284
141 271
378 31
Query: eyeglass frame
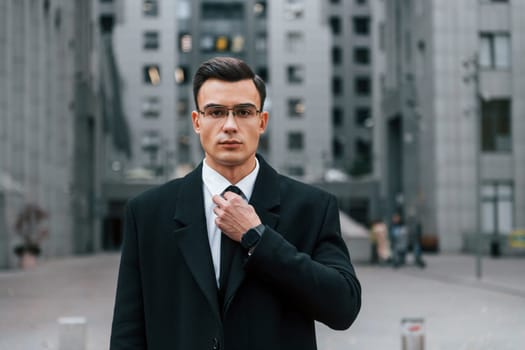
241 105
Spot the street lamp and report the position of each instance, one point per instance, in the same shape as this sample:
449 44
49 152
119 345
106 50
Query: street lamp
472 67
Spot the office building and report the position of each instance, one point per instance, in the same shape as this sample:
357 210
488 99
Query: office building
453 117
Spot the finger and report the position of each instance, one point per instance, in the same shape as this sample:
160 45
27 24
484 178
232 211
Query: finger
218 200
230 195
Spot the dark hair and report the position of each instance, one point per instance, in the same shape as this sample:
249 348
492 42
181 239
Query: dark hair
227 69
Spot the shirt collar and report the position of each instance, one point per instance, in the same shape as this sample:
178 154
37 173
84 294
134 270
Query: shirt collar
216 183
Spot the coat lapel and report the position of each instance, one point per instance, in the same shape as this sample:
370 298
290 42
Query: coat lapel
265 199
192 236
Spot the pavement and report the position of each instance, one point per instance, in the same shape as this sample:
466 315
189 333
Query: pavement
460 312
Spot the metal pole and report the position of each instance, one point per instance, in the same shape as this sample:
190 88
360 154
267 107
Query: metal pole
477 138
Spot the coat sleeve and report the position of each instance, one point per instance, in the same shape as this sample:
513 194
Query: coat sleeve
322 284
128 328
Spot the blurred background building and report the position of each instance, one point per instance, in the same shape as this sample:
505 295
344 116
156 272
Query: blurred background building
394 106
454 118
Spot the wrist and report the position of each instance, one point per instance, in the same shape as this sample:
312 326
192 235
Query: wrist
252 237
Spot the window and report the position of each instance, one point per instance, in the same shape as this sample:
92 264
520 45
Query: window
497 202
337 148
335 24
183 9
260 42
496 126
362 117
150 141
207 43
361 25
337 86
293 9
151 73
295 141
337 55
295 74
296 170
150 8
259 9
295 107
182 107
185 42
361 55
215 10
151 107
151 40
335 1
337 116
294 42
222 43
494 50
360 2
237 44
181 75
362 86
262 72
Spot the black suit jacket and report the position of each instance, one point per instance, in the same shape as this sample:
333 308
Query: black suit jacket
299 272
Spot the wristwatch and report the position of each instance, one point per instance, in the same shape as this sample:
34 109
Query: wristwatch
250 239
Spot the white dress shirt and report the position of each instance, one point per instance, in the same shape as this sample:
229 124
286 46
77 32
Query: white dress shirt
214 183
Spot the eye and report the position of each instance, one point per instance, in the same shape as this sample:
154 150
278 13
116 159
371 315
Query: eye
217 112
243 112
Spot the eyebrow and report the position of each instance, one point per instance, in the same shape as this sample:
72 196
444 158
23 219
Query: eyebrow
247 104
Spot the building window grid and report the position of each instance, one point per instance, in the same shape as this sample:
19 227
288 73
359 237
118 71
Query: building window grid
295 141
295 42
337 55
363 86
496 129
335 25
337 86
494 50
151 107
296 107
151 40
293 9
150 8
361 25
295 74
151 74
497 207
362 55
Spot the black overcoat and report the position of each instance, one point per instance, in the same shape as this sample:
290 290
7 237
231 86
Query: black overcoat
300 272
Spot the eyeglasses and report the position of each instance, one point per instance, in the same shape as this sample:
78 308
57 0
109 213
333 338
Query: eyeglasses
218 112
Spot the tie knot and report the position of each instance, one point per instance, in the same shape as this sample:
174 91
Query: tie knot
234 189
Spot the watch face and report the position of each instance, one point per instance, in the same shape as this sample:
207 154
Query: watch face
250 238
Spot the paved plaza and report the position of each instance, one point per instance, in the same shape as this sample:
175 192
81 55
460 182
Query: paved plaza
460 311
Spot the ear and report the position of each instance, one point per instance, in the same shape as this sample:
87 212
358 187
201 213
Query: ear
196 122
263 122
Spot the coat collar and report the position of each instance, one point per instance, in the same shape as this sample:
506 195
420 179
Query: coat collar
192 233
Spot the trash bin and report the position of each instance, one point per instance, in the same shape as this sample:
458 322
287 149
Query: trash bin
412 334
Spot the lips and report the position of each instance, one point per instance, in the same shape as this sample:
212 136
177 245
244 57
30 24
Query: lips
230 142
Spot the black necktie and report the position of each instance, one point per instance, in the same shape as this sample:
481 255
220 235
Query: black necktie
228 247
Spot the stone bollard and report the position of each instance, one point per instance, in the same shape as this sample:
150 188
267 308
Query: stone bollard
72 333
412 334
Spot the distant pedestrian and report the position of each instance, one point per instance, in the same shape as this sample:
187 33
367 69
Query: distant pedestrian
380 242
415 241
399 240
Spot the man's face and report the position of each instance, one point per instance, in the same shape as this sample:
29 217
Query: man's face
229 142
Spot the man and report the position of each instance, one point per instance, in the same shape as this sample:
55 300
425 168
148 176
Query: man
399 240
205 268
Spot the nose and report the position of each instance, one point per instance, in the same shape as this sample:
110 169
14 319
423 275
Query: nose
230 122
